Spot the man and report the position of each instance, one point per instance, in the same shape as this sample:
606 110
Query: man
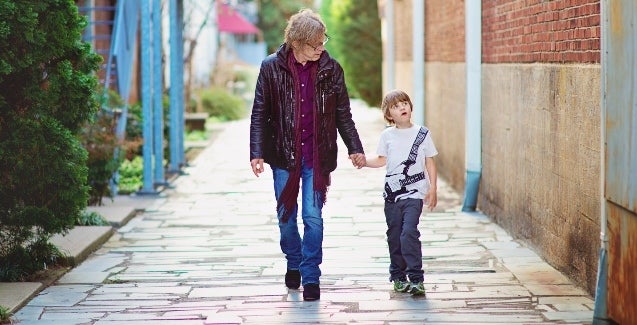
300 102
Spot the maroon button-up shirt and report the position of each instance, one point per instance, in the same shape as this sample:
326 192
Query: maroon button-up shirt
307 111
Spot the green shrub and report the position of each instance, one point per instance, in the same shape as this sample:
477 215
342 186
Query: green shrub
356 25
21 262
218 102
5 315
101 143
44 173
47 94
91 219
131 175
196 135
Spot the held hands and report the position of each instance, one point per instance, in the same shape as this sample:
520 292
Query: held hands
358 160
257 166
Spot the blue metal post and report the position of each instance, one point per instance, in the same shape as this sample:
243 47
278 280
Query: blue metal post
147 114
176 86
158 111
180 90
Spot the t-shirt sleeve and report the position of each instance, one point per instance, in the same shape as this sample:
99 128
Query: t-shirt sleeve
381 150
429 148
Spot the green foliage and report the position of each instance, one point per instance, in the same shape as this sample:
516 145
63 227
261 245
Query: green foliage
273 17
326 14
131 175
218 102
197 135
91 219
19 263
356 25
45 68
44 173
101 142
47 94
5 314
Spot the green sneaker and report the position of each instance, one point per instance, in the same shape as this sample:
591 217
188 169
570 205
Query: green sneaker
401 285
417 289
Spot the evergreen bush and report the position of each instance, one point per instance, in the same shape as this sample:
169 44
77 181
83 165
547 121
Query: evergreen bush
220 103
356 25
47 94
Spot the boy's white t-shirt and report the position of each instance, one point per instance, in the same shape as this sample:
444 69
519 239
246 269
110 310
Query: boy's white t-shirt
405 179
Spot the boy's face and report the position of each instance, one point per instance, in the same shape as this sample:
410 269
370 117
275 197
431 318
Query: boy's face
400 112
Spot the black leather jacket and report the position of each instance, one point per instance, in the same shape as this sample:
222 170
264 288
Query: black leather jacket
272 122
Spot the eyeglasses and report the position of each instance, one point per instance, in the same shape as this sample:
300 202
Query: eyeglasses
315 48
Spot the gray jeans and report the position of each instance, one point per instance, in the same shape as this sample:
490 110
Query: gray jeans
403 238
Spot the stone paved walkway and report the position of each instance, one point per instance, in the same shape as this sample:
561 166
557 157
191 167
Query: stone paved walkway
206 252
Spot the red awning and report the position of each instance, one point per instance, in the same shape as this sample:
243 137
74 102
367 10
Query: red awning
233 22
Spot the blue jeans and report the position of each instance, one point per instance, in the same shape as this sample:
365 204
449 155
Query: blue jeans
403 239
304 255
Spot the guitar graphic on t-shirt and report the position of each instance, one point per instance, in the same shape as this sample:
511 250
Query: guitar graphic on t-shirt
396 183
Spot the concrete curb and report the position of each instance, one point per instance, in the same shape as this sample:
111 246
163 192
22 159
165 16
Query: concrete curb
77 245
80 242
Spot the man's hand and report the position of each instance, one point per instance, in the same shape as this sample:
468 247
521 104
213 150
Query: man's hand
358 160
257 166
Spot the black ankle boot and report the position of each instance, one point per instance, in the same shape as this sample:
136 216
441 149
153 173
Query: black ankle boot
293 279
311 292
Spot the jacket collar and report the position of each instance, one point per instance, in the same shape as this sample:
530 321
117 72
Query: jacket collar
283 52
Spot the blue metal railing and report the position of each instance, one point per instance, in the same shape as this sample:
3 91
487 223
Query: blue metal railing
118 67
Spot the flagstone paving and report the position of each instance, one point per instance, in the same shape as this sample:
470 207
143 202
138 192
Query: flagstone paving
206 252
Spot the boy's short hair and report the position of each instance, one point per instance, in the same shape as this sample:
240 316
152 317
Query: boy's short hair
304 27
392 98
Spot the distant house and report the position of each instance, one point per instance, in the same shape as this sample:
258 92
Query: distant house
239 39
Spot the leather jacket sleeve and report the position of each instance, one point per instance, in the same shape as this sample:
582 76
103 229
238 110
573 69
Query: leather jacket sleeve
259 117
344 122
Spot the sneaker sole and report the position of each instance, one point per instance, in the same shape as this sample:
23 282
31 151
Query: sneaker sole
417 292
406 289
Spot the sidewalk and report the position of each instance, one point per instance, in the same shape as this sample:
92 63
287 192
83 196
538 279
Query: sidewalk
206 252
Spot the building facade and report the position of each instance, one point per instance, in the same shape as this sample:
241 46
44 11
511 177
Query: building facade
542 134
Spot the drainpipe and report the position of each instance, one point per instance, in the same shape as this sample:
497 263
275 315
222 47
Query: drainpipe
473 123
390 57
418 49
600 313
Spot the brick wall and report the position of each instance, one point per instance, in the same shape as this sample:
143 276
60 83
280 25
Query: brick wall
541 31
444 31
540 117
445 86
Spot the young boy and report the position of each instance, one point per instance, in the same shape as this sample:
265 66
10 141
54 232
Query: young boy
408 150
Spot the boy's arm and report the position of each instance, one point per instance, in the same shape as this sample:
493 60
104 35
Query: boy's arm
376 162
431 199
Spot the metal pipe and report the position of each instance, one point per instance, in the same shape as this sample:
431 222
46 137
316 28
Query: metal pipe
418 48
390 50
473 122
600 313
